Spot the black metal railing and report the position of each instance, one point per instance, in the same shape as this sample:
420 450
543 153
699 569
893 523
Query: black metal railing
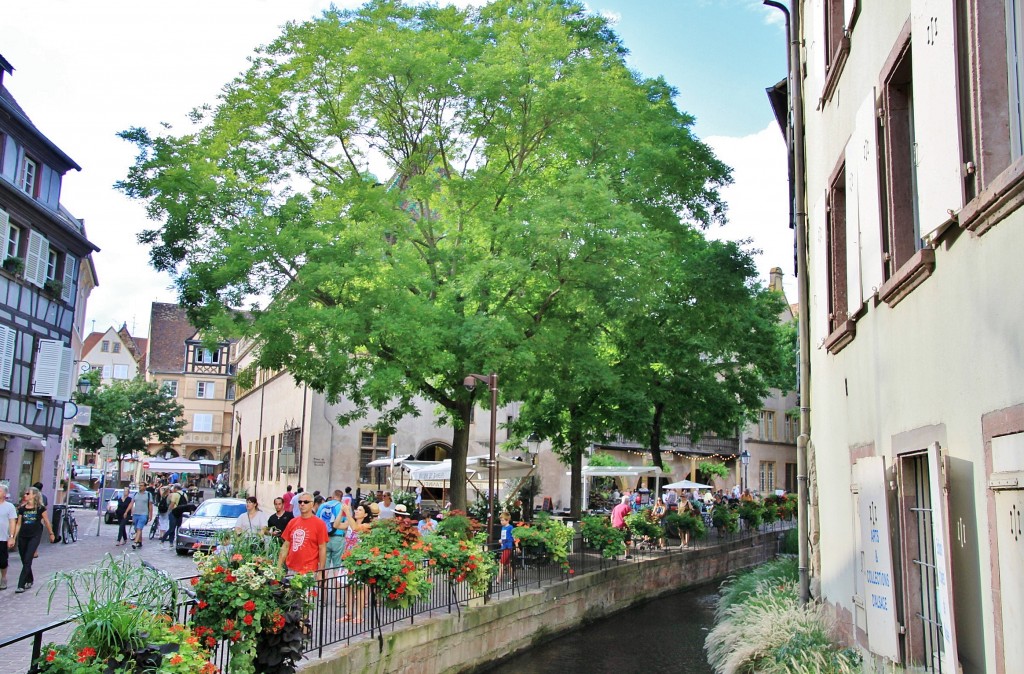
334 600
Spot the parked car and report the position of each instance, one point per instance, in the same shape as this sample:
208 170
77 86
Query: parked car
79 495
86 473
210 519
110 495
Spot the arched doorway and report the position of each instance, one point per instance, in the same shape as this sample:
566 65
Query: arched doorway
167 453
201 455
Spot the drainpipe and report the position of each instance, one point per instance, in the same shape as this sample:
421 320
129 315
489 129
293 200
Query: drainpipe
796 135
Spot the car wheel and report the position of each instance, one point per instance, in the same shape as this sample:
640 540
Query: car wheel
181 551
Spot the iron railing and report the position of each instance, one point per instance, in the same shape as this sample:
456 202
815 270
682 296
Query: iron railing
327 626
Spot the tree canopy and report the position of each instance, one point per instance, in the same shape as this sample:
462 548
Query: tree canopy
132 409
399 196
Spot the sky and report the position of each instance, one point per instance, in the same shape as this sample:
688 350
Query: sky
86 70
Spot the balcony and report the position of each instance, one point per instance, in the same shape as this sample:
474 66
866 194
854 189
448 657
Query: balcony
680 444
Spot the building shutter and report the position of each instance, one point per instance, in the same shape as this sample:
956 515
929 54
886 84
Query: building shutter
815 80
869 200
47 371
65 375
54 198
7 339
67 292
937 158
5 233
35 258
849 9
854 298
939 485
10 158
819 272
44 183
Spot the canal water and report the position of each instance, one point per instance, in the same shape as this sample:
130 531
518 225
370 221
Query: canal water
663 635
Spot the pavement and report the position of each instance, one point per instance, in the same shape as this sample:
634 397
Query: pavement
20 613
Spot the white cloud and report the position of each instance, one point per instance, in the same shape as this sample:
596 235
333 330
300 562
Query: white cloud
759 200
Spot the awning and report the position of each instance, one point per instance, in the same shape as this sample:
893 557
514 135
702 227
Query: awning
171 466
388 462
686 484
17 430
619 471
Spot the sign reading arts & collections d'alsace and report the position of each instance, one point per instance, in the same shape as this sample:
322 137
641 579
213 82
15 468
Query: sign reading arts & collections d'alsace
876 553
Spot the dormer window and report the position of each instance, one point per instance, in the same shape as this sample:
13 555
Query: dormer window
207 356
27 177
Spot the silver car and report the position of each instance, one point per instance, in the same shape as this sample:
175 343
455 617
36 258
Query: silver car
213 517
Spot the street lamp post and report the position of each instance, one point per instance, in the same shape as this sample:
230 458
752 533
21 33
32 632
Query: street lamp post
492 384
745 460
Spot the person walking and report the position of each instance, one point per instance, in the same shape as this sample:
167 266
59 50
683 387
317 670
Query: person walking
659 512
121 515
8 522
277 522
29 526
287 499
354 523
508 544
141 512
173 501
619 513
305 537
329 512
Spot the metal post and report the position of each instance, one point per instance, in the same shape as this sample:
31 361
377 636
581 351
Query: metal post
492 383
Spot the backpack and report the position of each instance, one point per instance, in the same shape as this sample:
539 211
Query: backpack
162 505
327 514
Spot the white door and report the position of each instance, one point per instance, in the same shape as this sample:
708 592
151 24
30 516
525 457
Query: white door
1009 514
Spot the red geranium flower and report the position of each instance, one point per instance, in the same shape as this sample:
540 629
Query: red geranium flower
194 581
247 619
50 656
86 654
176 659
249 605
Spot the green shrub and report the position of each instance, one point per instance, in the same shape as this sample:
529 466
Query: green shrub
599 533
752 513
688 522
790 542
724 518
640 526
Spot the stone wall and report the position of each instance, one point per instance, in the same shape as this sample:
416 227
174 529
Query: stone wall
483 633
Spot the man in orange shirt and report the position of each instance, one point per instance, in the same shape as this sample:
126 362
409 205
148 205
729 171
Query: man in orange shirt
305 537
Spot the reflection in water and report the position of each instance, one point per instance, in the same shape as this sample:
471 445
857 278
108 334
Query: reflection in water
664 635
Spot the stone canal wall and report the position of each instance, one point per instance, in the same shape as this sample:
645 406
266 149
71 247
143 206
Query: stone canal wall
483 633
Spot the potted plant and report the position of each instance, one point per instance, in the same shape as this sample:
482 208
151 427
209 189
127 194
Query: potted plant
457 548
689 524
751 512
54 287
389 559
244 598
120 625
14 265
548 535
725 518
599 534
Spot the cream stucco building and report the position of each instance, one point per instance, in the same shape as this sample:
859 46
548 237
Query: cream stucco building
913 114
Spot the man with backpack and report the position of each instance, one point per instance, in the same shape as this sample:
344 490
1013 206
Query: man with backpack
171 503
328 512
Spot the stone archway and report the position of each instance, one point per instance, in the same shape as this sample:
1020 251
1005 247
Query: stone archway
432 451
201 455
167 453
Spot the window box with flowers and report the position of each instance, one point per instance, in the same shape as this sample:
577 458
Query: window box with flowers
550 536
457 548
14 266
389 560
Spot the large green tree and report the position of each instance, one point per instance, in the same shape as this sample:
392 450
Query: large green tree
418 191
132 409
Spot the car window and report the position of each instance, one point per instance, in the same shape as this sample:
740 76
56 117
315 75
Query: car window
220 509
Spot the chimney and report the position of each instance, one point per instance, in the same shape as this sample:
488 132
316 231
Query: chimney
775 282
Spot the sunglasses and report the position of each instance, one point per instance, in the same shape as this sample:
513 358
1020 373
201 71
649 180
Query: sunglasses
304 502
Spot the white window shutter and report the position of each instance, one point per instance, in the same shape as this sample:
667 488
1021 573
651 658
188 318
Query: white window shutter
10 166
815 80
937 158
36 258
854 298
849 9
65 375
7 338
862 159
49 358
68 290
5 233
819 273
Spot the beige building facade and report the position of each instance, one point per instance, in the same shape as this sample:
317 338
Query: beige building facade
913 117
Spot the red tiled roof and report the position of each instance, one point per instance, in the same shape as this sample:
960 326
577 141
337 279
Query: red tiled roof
91 341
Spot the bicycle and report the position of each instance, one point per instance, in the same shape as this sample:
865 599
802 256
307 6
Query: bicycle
70 532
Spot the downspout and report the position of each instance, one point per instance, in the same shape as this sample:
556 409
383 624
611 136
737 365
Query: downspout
796 135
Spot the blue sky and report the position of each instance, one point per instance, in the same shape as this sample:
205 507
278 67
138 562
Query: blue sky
86 70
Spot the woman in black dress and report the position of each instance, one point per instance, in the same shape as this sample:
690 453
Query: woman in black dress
121 515
31 521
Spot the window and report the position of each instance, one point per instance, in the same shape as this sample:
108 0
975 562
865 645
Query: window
207 356
791 483
170 387
120 371
901 230
1015 63
117 347
13 241
372 447
767 478
202 422
229 394
205 389
766 425
27 176
792 427
835 234
105 346
51 264
107 372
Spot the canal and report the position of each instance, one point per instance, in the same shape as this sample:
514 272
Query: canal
663 635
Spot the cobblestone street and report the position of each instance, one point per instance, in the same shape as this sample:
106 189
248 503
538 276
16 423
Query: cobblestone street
26 611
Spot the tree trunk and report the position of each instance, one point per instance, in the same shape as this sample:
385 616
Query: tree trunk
460 449
576 450
655 440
